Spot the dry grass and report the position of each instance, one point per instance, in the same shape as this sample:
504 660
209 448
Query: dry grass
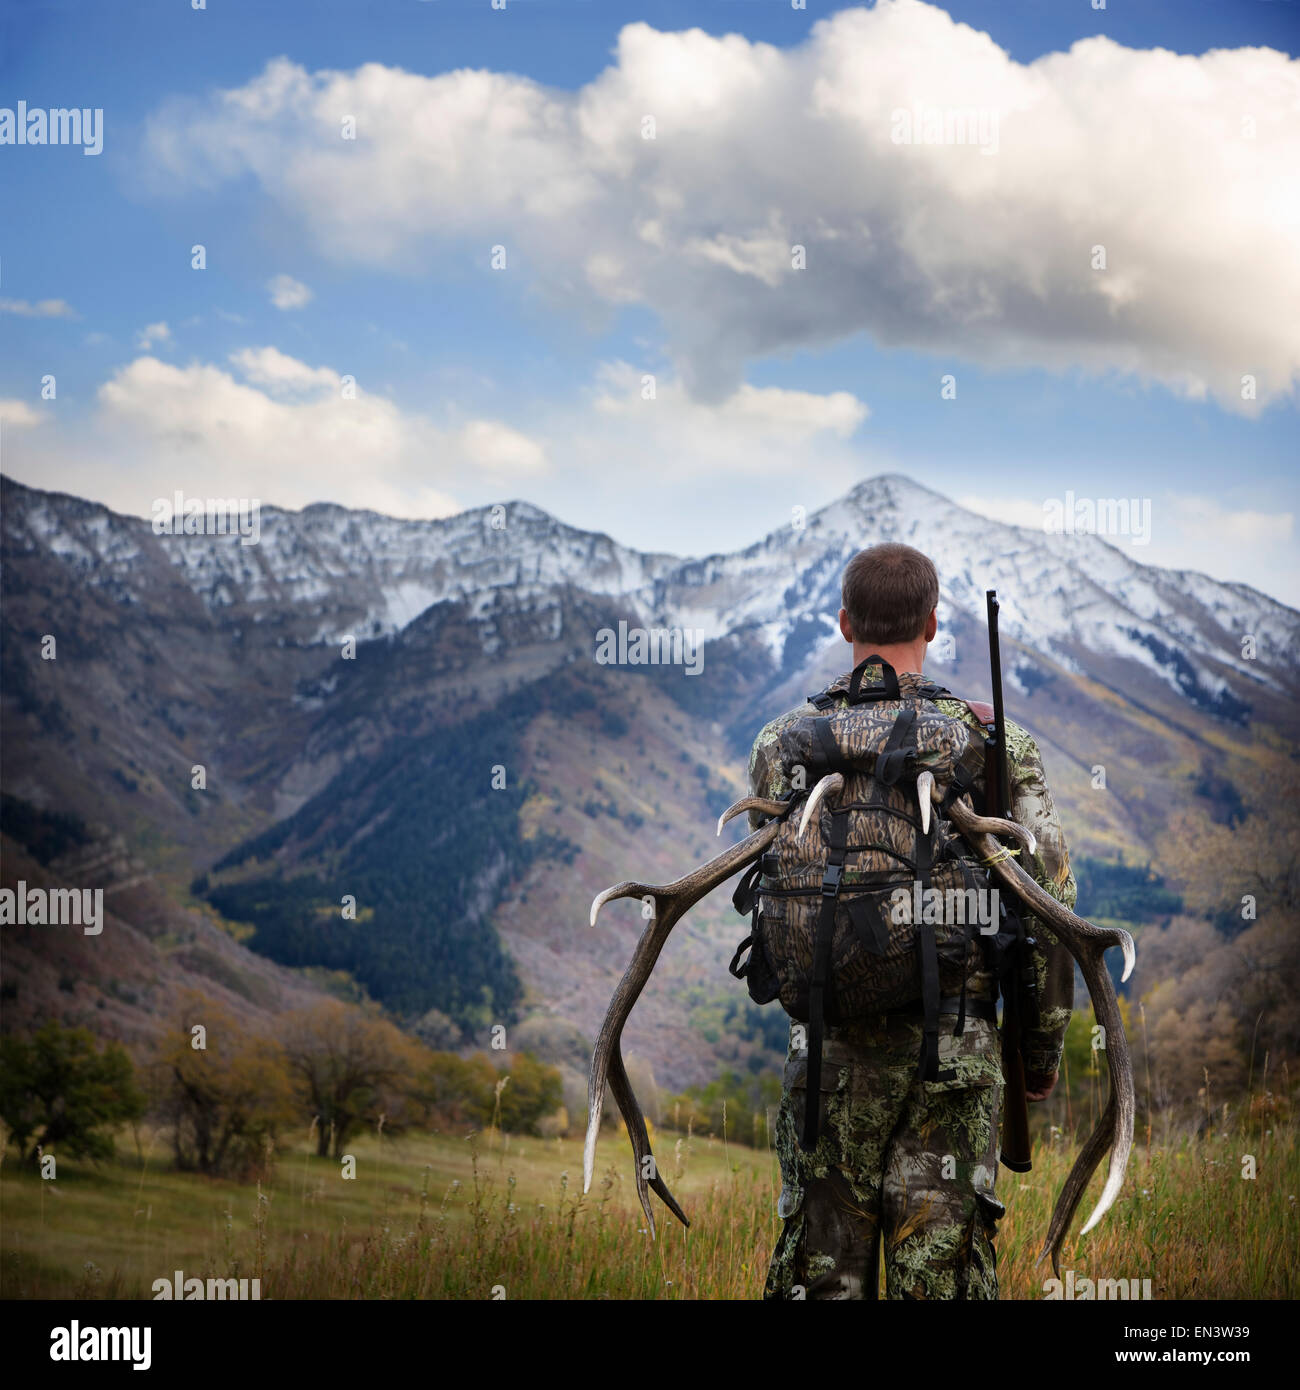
442 1217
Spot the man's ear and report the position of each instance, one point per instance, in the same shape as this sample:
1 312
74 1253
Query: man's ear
932 625
845 630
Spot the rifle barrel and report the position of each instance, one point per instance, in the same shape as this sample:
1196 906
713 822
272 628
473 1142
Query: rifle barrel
999 716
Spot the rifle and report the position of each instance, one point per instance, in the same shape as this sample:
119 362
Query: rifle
1016 1147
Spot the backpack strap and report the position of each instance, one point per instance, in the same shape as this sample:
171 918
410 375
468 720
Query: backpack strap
746 894
929 690
962 782
928 1068
838 847
829 750
887 690
892 763
890 690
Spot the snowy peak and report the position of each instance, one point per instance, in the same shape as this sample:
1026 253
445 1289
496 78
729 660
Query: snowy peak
1074 601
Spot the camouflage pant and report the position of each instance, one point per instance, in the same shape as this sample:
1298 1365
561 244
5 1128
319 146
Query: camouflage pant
910 1161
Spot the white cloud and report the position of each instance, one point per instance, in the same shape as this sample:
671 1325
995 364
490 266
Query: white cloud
669 471
1205 521
200 423
1011 511
977 256
752 430
42 309
273 427
691 475
490 445
280 373
152 334
288 293
18 414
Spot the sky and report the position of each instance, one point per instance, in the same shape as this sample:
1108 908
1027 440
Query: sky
669 271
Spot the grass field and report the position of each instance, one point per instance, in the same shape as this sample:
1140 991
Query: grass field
436 1216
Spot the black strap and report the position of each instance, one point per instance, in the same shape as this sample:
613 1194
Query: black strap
738 970
928 1067
839 839
829 750
928 690
887 691
893 760
747 889
962 781
965 953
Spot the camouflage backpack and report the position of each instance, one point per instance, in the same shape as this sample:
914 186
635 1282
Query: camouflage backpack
842 922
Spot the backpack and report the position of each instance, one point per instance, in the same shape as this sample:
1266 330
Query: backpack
842 923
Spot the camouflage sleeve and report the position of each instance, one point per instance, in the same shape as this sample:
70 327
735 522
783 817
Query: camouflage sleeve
766 777
1033 807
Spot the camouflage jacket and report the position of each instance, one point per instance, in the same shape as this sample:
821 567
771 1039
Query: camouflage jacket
1032 806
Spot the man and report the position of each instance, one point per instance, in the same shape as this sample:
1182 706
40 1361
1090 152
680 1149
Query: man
899 1160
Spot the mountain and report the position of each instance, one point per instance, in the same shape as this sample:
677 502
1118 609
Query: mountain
471 774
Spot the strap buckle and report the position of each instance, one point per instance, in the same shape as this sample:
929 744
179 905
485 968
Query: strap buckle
831 880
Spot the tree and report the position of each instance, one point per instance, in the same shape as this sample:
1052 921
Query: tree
58 1090
1220 982
459 1091
225 1093
350 1070
535 1090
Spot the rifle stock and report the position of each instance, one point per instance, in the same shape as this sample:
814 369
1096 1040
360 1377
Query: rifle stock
1016 1151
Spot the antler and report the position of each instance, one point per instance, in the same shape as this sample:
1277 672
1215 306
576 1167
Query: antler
671 902
1088 945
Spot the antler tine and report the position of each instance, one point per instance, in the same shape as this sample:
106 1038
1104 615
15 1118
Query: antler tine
640 1139
1007 829
671 902
925 794
750 803
987 825
830 785
1087 944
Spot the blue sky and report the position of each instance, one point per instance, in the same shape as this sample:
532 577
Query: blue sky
476 384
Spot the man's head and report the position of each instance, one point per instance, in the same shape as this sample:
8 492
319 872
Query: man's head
890 593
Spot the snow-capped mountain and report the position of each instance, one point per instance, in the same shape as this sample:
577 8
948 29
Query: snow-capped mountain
321 573
475 643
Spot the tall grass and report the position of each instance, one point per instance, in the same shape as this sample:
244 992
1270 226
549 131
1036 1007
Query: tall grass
438 1217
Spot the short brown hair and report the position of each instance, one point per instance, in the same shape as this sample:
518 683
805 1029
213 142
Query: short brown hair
889 591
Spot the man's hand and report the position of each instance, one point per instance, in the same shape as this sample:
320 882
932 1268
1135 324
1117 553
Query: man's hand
1038 1084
